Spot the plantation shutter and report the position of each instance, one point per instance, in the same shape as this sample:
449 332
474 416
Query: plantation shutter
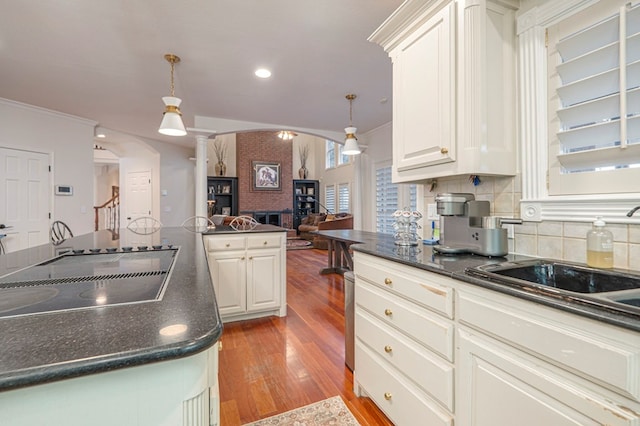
343 198
330 198
386 200
597 123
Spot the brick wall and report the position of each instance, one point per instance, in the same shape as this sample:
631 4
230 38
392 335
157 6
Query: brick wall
263 146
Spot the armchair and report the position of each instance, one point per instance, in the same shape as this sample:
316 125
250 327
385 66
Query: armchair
321 222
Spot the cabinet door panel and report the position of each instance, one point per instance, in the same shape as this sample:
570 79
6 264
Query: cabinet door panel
263 279
229 281
497 385
424 94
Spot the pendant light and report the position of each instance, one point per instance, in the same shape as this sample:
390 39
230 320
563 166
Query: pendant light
172 124
351 142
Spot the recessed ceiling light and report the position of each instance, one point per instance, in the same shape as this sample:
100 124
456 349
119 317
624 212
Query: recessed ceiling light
263 73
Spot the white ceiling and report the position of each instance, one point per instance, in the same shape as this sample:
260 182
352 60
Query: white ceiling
104 60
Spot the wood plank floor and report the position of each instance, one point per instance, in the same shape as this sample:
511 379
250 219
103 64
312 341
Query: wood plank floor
272 365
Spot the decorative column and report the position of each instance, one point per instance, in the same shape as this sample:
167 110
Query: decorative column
200 186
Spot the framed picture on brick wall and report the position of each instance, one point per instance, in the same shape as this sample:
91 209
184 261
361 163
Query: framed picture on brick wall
266 176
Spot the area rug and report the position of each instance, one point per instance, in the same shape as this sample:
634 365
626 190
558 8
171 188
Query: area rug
331 411
298 244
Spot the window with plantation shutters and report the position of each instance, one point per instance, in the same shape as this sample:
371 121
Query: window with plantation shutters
330 198
594 101
391 197
343 198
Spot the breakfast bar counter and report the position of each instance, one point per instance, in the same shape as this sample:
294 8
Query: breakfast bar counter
177 333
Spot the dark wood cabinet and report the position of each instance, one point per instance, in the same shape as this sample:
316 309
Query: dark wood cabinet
305 199
222 195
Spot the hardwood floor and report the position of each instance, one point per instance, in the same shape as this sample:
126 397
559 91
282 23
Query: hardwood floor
272 365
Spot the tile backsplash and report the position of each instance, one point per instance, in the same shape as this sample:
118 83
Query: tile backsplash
559 240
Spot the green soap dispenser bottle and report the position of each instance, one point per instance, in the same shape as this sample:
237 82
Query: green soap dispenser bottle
599 245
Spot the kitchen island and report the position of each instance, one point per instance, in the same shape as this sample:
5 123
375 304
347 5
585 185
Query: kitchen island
147 363
436 344
248 270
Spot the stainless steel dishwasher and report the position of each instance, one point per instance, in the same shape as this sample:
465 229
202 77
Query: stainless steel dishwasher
349 313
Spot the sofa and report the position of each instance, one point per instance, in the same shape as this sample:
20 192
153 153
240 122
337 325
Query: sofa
322 222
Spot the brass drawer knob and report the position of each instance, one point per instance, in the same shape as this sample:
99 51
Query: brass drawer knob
387 396
227 245
264 243
444 151
388 312
388 349
388 281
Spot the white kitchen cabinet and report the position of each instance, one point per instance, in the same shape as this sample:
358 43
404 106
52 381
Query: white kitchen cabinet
546 366
453 87
248 273
444 351
404 342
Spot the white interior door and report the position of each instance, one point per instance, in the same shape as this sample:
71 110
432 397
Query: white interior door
24 192
138 195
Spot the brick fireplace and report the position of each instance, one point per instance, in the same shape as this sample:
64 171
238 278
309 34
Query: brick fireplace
267 206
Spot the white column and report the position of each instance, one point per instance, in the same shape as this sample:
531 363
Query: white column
200 186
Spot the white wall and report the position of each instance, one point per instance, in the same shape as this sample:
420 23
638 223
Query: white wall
177 178
69 141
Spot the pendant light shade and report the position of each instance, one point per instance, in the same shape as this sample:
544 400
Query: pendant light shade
172 124
351 141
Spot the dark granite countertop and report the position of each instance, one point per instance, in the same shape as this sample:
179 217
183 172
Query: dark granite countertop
424 257
225 229
52 346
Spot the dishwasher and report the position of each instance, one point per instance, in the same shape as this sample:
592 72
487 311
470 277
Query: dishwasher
349 314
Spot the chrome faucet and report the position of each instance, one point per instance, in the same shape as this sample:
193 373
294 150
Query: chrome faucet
632 211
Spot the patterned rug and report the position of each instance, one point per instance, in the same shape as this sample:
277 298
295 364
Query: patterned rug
298 244
331 411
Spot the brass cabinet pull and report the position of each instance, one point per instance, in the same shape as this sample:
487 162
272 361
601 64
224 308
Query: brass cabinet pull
227 245
388 312
264 243
250 257
387 396
388 281
444 151
242 258
388 349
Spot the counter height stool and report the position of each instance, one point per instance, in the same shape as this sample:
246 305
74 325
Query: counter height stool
198 224
59 232
144 225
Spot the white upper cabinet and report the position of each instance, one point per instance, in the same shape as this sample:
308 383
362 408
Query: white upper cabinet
453 88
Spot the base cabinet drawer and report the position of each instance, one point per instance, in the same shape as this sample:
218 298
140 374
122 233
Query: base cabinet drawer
430 291
427 370
426 327
400 400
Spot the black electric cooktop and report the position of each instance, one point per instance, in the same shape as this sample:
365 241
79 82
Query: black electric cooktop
86 280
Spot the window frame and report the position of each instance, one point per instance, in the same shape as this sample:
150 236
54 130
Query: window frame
339 159
536 204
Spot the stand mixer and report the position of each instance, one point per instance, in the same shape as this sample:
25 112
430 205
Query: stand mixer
466 226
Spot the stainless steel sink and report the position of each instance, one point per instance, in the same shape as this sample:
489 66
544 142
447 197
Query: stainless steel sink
610 289
561 275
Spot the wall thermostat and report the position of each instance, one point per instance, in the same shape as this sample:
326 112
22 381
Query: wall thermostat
64 190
